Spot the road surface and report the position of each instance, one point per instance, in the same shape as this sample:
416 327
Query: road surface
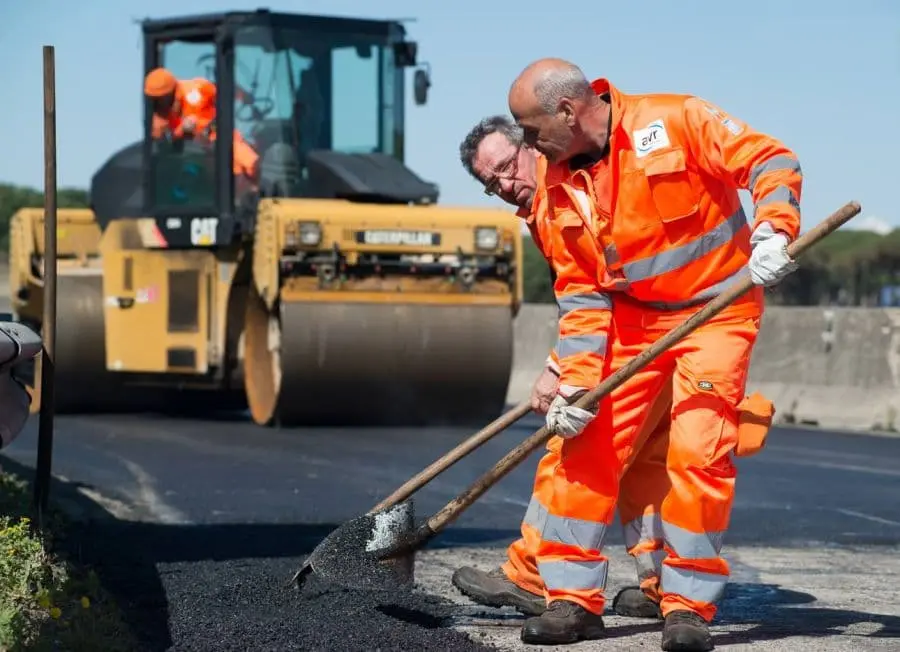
214 516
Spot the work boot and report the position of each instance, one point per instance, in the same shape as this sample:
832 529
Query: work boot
495 589
634 603
563 622
685 631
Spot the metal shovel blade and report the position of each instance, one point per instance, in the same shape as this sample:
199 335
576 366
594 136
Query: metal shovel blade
349 555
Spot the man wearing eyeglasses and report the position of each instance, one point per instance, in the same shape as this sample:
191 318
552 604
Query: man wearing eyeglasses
492 153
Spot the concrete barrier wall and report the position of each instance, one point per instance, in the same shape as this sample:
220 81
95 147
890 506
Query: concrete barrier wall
832 367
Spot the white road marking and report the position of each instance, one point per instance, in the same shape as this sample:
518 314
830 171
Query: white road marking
151 499
867 517
837 467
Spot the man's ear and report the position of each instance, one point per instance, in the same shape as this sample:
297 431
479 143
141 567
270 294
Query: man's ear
567 111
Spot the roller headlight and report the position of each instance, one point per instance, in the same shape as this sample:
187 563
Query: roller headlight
486 238
310 233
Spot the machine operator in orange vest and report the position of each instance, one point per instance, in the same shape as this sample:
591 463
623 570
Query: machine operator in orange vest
187 109
642 194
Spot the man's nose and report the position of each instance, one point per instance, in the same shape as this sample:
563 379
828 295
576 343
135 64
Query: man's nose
506 184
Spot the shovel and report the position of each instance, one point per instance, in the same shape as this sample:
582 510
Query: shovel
346 555
425 476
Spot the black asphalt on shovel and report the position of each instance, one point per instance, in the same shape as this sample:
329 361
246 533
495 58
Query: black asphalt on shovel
347 555
382 510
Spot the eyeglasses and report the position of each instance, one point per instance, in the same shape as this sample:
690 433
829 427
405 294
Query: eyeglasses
507 170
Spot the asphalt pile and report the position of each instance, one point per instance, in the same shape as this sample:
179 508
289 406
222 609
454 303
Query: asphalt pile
190 592
250 608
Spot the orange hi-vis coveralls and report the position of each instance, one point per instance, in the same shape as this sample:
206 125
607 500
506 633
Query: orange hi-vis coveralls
196 98
642 488
653 231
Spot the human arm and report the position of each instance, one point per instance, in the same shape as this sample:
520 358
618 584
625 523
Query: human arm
584 321
761 164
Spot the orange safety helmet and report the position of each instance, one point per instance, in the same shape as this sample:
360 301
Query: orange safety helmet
159 82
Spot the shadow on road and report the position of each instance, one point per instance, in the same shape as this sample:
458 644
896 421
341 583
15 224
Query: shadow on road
769 612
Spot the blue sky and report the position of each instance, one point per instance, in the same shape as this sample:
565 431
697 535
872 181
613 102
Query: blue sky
823 76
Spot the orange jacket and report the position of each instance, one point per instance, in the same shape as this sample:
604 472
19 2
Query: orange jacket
538 222
196 98
668 233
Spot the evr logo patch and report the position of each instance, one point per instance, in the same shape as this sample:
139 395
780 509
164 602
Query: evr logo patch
650 139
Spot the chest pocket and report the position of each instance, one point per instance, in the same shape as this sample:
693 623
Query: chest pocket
670 185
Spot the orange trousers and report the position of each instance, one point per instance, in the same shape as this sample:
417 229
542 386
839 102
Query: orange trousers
643 486
707 373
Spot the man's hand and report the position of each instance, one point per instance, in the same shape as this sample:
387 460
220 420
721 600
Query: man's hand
544 390
566 420
188 125
769 262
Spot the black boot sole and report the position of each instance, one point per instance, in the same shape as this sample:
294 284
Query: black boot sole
532 637
686 642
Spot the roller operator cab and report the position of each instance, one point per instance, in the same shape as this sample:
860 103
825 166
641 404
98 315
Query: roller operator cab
325 286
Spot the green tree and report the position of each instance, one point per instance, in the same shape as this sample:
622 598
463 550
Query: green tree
538 287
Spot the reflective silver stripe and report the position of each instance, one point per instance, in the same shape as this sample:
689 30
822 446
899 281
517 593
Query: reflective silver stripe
574 344
691 545
780 162
573 575
693 585
704 295
535 515
649 563
587 535
678 257
781 194
589 300
647 527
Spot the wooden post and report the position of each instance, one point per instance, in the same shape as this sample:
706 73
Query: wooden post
48 327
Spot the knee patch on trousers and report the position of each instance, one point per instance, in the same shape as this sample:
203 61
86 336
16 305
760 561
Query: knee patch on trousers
755 415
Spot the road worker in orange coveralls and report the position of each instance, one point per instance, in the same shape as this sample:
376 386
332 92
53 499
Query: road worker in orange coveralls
187 109
642 192
493 154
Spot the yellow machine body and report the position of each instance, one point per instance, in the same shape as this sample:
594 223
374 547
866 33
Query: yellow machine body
334 290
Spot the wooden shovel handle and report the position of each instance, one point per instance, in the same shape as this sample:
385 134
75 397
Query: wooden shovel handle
455 507
443 463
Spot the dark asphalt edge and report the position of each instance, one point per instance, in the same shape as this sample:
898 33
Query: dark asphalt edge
89 524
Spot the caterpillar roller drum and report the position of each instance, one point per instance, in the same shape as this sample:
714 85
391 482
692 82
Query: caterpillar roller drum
319 284
378 325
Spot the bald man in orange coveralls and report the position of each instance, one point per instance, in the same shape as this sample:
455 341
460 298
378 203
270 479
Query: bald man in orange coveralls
642 194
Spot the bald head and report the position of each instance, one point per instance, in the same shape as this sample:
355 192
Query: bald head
544 84
557 108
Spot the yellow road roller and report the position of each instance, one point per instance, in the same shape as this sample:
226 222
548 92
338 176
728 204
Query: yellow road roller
330 291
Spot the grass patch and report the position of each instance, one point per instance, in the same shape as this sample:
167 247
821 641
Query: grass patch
46 601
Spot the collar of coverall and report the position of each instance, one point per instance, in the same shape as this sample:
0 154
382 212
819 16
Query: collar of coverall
561 172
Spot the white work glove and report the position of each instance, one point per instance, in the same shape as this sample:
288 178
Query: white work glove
769 262
566 420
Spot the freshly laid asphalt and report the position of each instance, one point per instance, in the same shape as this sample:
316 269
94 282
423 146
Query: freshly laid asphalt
215 515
